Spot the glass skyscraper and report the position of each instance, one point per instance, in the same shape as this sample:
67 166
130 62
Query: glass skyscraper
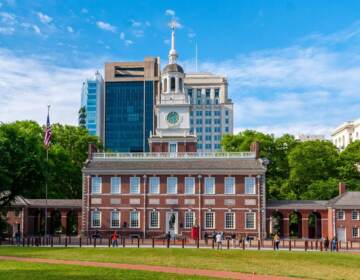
130 92
92 102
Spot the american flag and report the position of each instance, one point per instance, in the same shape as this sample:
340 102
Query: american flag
47 138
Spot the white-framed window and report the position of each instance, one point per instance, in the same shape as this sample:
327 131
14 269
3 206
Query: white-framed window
95 219
250 185
96 183
171 185
134 184
115 185
229 220
189 219
355 232
229 185
209 185
355 215
134 219
340 215
250 220
154 185
189 185
209 220
115 219
154 219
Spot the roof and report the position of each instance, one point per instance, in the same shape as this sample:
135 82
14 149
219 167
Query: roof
51 203
176 165
346 200
296 204
173 68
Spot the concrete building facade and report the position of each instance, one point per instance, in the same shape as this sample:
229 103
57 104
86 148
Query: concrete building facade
211 111
345 134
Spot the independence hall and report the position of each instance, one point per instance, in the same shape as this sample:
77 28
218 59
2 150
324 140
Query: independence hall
173 188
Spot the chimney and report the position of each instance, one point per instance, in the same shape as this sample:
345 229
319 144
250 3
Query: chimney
255 147
342 188
91 149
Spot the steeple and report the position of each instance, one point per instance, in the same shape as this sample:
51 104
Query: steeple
172 53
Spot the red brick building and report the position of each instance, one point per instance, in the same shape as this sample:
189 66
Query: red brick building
306 219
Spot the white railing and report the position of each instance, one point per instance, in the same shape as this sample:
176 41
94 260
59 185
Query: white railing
106 156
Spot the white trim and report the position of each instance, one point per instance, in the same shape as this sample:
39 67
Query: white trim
138 192
111 186
245 220
167 185
234 216
158 224
91 217
214 220
138 216
119 214
234 185
92 185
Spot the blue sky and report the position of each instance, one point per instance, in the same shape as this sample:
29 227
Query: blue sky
293 66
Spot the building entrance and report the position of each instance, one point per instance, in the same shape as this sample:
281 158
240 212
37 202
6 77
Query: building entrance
172 223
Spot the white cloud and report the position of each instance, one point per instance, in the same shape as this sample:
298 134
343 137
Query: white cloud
36 29
70 29
176 23
38 84
7 30
167 42
7 18
84 10
138 33
191 35
170 12
106 26
128 42
148 24
135 23
44 18
122 35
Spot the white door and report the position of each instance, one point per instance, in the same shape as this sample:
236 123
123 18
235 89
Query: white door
171 223
341 234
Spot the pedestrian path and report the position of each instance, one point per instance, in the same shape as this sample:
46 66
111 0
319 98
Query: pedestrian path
164 269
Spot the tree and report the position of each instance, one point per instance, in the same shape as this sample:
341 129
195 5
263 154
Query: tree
311 161
21 161
321 189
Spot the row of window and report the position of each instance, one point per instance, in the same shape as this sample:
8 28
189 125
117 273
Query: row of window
189 220
207 129
199 121
209 137
208 113
208 147
171 187
340 215
207 92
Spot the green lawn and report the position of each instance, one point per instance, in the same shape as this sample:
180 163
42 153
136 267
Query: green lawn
308 265
28 271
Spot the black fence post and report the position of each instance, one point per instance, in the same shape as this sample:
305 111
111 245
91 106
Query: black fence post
80 242
138 242
321 246
198 243
289 245
94 242
306 245
168 243
66 242
183 243
243 244
124 242
153 242
109 242
213 243
228 243
52 242
259 244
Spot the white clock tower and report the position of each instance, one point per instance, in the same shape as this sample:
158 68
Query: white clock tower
172 108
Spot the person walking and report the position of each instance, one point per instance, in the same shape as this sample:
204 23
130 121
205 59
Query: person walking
219 241
114 240
233 240
18 238
334 244
276 241
326 243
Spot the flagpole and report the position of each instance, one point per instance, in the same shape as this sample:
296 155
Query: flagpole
46 183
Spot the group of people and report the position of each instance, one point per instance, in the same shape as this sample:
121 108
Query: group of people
327 243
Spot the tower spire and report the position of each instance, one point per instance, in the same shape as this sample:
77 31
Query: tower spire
172 54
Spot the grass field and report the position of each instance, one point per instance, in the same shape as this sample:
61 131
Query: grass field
28 271
310 265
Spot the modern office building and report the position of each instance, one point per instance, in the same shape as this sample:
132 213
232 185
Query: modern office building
130 92
211 111
92 102
346 133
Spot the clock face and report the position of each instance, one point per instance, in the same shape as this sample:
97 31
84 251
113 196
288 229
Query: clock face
172 117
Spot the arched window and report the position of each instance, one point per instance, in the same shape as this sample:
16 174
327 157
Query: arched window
165 85
180 84
172 83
